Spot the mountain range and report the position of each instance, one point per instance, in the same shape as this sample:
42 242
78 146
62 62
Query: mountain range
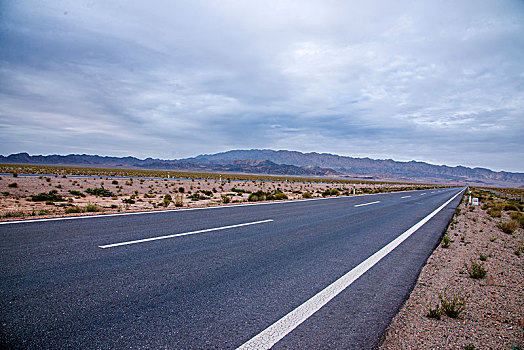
292 163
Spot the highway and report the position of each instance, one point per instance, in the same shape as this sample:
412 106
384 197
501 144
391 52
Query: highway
321 273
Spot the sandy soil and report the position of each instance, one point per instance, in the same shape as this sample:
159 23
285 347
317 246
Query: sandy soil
147 193
494 314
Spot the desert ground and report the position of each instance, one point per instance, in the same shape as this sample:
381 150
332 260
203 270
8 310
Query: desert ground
60 195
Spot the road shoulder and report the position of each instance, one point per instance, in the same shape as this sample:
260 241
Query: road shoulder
493 317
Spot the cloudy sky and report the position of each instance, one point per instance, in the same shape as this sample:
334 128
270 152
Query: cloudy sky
434 81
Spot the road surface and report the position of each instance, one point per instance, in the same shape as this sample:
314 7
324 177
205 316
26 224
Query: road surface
322 273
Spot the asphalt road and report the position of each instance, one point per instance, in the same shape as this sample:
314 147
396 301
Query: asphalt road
214 289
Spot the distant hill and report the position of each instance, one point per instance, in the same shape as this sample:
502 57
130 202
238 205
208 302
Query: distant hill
291 163
372 168
234 166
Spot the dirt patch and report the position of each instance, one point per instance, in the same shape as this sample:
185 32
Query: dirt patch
493 317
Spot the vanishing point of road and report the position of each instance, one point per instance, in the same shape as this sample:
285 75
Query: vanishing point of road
318 273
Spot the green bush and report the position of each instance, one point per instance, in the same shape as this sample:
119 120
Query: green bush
257 196
435 312
445 242
74 209
225 199
280 196
166 201
207 193
90 208
331 192
100 192
51 196
77 193
12 185
307 195
453 305
114 182
475 270
495 212
181 190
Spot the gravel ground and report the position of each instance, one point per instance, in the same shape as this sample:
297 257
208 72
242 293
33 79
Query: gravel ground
493 317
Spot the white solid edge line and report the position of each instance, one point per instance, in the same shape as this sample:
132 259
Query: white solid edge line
182 234
190 209
406 197
278 330
361 205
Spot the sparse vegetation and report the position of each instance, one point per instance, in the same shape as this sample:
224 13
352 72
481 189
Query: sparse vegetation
453 305
49 198
92 208
475 270
307 195
225 199
99 191
508 226
445 242
77 193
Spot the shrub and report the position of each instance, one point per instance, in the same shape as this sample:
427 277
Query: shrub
482 257
508 226
77 193
99 191
181 189
179 201
225 199
12 185
15 174
92 208
114 182
128 201
435 312
510 207
445 242
280 195
51 196
74 209
453 305
495 212
166 201
469 347
307 195
475 270
257 196
14 214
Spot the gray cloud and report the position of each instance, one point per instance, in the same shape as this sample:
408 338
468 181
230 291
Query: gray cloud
430 81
